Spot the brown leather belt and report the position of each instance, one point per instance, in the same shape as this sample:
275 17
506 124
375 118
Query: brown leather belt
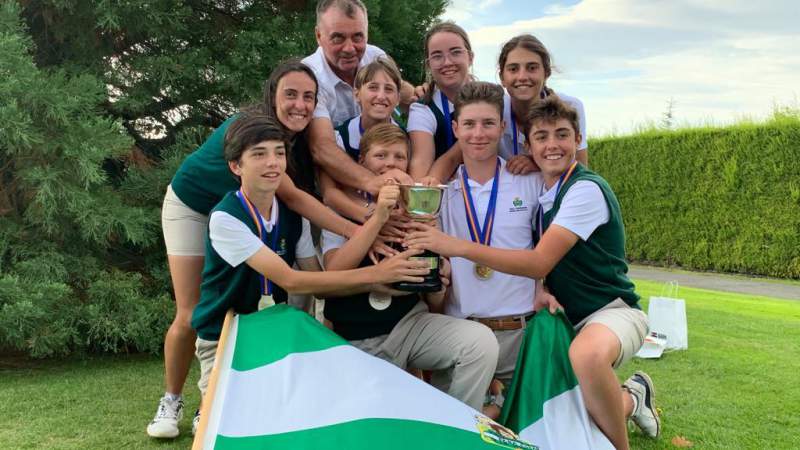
504 323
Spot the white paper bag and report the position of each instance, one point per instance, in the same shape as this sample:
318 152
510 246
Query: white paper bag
667 315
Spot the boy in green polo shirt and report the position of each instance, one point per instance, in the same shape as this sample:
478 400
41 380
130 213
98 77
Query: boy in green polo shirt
580 251
253 240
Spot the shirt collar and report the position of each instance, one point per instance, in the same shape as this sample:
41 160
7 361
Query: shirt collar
354 130
456 183
329 76
269 224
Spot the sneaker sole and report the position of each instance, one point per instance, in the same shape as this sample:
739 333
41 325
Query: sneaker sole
651 387
163 435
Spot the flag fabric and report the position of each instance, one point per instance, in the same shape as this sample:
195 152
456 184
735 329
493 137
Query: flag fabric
283 381
544 404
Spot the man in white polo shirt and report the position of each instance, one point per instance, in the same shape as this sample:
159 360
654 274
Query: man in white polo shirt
488 204
341 33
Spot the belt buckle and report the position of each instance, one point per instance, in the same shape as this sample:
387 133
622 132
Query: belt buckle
508 323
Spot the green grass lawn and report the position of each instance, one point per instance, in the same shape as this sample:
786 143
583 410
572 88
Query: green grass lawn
736 387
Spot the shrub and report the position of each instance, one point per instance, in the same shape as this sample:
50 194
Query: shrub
724 199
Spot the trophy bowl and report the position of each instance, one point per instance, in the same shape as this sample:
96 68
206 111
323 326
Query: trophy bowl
422 203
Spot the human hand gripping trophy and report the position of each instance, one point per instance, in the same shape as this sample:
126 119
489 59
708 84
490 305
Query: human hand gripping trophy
422 203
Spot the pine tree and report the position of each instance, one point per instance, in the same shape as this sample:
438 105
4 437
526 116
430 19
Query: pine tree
172 65
62 223
100 103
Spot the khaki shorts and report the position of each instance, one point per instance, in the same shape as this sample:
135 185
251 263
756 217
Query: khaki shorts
629 324
184 228
206 352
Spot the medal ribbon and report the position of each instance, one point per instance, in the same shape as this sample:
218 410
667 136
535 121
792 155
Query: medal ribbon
481 235
542 95
448 122
540 212
366 196
514 130
266 285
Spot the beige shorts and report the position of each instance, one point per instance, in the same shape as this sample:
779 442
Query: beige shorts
206 352
629 324
184 228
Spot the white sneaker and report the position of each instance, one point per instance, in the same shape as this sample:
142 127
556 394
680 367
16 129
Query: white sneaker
195 422
165 423
644 415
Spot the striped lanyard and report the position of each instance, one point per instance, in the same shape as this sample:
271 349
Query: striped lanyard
514 130
540 212
542 95
448 122
266 285
481 235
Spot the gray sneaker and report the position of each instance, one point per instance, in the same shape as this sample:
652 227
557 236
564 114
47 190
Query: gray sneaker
165 423
644 415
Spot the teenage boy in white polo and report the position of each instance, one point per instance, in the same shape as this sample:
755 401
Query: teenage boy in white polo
580 249
254 239
487 204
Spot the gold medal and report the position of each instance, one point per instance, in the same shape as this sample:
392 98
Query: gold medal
265 302
379 301
483 272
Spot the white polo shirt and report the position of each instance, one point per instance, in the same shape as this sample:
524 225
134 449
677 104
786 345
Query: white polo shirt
335 99
235 243
583 208
517 202
506 147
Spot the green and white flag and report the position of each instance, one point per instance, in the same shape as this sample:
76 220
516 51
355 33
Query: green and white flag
283 381
544 402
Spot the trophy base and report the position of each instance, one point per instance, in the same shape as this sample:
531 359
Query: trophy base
425 286
430 282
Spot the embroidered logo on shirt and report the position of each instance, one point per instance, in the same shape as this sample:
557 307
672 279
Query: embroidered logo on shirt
282 248
517 205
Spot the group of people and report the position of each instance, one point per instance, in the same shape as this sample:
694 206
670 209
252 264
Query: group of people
525 225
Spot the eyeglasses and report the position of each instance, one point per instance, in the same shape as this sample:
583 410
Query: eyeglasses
437 59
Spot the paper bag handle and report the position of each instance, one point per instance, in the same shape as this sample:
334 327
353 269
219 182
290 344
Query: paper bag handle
671 289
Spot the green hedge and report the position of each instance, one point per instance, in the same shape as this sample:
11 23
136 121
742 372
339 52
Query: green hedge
725 199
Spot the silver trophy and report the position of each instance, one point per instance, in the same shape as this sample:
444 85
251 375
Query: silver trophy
423 203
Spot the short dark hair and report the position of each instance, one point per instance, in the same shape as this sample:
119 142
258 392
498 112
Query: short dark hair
382 133
249 129
549 110
348 7
479 92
